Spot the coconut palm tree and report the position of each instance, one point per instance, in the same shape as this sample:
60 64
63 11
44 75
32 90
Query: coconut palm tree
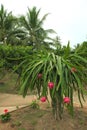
32 26
8 28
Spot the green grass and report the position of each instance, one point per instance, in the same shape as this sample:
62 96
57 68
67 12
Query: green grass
16 123
21 129
8 83
36 113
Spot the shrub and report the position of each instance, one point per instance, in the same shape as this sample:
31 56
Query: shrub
11 56
34 104
6 116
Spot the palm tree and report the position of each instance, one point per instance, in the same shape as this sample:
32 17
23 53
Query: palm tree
32 26
7 26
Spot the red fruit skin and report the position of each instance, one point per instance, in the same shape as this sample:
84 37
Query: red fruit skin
73 69
50 85
66 100
43 99
39 76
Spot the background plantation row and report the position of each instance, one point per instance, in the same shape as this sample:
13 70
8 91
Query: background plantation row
11 56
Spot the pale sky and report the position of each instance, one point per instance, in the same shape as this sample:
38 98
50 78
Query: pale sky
67 17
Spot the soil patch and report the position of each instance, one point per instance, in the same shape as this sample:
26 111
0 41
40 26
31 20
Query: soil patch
37 119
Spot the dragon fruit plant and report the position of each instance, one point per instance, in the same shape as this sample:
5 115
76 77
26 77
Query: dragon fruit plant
58 75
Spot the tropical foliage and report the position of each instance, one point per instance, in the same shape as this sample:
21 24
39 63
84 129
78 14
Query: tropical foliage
66 73
54 71
7 27
11 56
32 26
24 30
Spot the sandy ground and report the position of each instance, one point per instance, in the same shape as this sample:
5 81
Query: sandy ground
11 102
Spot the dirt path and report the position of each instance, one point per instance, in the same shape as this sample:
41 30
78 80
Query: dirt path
11 102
